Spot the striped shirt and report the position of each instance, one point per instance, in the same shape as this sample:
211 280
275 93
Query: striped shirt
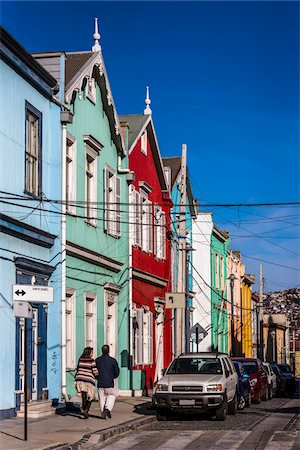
86 371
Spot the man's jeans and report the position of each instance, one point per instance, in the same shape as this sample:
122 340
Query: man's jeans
107 398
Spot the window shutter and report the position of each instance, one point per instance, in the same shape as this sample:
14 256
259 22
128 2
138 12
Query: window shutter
139 336
149 207
150 344
156 230
118 206
138 219
163 236
146 338
106 198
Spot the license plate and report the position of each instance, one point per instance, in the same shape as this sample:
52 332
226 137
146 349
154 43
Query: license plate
186 402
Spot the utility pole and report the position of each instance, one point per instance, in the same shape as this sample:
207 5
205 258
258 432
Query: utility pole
261 335
232 278
180 315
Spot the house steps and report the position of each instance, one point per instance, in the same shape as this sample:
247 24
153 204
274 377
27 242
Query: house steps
38 409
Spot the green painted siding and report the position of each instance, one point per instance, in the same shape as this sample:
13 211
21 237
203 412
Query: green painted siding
219 313
84 277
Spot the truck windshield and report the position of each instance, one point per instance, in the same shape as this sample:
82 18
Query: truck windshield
207 366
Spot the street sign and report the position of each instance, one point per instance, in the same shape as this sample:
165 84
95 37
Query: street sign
32 293
175 300
22 309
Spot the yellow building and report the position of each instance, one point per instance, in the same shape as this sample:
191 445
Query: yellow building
247 282
276 338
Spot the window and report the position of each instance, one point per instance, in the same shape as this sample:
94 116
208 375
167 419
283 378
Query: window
217 271
143 328
70 175
90 321
160 232
91 185
146 224
70 329
91 90
112 202
167 171
144 143
137 214
33 150
222 273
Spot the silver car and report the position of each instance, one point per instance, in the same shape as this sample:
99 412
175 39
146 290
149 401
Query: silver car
272 383
197 382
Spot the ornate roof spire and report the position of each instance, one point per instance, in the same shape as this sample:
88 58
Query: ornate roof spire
96 47
147 110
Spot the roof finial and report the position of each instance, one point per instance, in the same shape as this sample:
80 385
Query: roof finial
96 47
147 110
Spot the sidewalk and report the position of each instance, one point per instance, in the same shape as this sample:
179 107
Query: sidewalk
70 427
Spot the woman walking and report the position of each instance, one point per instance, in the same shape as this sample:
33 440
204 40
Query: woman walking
85 379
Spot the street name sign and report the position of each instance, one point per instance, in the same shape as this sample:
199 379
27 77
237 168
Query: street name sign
32 293
175 300
22 309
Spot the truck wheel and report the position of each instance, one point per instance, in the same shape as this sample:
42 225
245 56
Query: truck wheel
232 406
161 415
221 413
270 393
248 400
242 403
265 397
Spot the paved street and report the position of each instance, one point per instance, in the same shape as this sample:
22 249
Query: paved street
271 425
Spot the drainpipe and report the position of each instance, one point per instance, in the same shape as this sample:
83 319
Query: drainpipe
60 103
63 266
120 170
130 323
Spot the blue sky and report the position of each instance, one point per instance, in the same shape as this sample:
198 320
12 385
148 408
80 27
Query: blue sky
224 79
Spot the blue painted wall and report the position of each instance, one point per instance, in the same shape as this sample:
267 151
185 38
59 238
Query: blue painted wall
14 91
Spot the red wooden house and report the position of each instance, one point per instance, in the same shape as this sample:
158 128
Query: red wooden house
149 219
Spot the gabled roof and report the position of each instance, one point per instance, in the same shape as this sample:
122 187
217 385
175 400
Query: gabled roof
175 165
174 162
137 124
13 53
85 65
74 63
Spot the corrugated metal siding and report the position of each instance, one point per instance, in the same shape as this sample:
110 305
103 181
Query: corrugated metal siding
52 64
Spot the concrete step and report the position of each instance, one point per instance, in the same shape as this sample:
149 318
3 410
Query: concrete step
35 410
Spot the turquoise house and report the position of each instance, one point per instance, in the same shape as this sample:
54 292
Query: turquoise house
219 308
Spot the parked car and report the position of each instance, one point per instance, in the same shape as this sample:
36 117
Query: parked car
271 379
197 382
280 381
290 382
244 388
258 378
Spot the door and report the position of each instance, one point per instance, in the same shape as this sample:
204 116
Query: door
36 332
111 323
159 345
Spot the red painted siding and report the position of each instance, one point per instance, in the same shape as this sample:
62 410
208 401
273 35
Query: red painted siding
143 293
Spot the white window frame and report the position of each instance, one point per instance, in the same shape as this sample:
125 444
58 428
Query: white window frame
136 218
90 318
33 150
160 232
91 90
91 185
70 329
143 354
144 140
112 195
70 174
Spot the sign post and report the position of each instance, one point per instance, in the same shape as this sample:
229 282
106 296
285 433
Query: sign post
25 380
22 295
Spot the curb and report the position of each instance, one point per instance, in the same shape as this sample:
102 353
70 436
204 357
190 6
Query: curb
96 437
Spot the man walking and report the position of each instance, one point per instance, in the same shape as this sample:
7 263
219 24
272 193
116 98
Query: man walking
108 370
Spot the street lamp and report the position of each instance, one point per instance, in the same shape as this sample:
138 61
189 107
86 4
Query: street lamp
273 335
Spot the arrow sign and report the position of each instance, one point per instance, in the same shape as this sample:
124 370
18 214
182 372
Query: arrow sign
32 293
18 292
